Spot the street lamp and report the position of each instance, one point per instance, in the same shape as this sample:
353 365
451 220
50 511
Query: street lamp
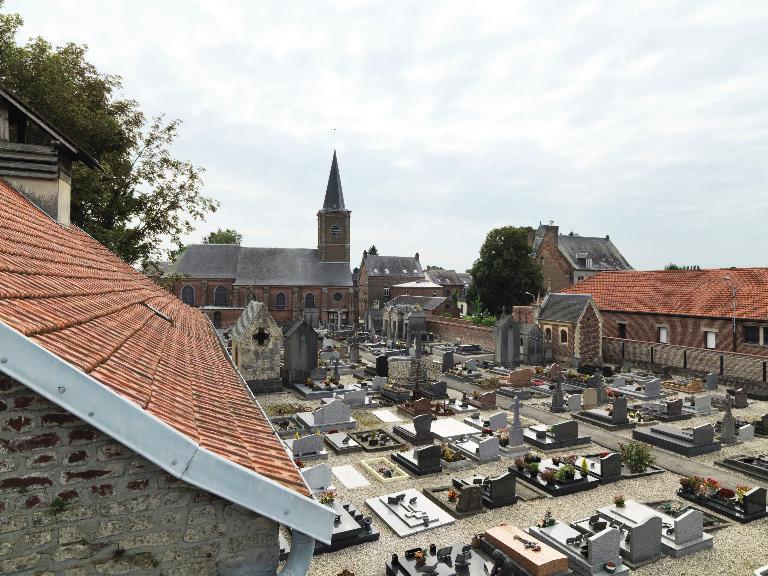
733 293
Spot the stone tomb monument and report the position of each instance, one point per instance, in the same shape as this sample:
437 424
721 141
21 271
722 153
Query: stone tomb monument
711 381
342 443
754 466
614 419
555 437
300 356
588 554
309 447
418 432
484 401
558 404
506 337
257 348
335 415
350 528
589 399
468 502
493 423
686 441
497 492
574 403
525 551
318 478
420 461
409 512
698 405
446 561
739 398
482 450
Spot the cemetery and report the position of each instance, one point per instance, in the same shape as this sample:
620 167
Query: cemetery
557 476
461 502
687 442
742 503
497 491
555 437
409 512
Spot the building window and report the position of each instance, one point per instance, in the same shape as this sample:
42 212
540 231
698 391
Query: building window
188 295
434 293
548 334
280 301
662 335
220 296
338 297
563 336
309 301
622 329
709 339
751 334
217 319
386 290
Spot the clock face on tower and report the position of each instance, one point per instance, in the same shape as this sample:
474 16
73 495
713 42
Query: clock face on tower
335 230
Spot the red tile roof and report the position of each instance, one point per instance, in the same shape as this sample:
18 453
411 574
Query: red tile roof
703 293
71 295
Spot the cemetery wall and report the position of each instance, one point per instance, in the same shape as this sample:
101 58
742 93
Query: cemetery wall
682 331
75 501
732 366
450 329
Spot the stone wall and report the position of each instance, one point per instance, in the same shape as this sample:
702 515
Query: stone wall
75 501
589 336
737 368
450 329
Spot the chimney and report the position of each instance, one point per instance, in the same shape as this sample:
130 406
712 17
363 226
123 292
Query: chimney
607 237
417 256
42 169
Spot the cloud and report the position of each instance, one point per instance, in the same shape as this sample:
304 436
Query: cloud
645 121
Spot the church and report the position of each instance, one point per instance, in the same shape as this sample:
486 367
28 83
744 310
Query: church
295 283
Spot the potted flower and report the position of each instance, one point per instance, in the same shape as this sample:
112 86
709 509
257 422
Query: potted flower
327 498
420 558
689 484
566 473
533 469
584 467
452 495
727 495
547 521
618 500
520 463
711 486
742 489
548 476
610 567
556 460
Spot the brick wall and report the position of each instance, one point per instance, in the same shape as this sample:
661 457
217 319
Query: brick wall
738 368
523 314
74 501
589 336
555 270
682 331
450 329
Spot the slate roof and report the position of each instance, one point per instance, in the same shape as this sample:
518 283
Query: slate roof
560 307
64 291
604 255
426 302
393 266
334 195
250 312
702 293
417 284
444 277
262 266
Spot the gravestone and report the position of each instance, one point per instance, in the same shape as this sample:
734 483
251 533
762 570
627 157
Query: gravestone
619 415
300 353
688 442
334 415
610 466
488 449
470 499
728 427
382 366
497 421
557 398
377 383
740 398
318 478
409 512
485 401
675 407
589 399
354 352
711 381
257 348
470 365
506 336
600 389
355 398
422 433
308 447
574 403
555 437
420 461
446 361
521 377
516 431
745 432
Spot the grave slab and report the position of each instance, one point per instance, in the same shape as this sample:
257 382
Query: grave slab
468 500
309 447
752 507
481 449
520 547
557 487
349 477
383 470
497 491
556 437
420 461
378 440
342 443
386 415
409 512
350 528
688 442
754 466
446 561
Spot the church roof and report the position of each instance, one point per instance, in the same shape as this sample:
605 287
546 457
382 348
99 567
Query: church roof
602 252
261 266
426 302
560 307
334 196
393 266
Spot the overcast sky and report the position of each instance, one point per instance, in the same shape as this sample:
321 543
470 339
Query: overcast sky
644 120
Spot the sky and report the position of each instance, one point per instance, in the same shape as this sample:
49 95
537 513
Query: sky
644 120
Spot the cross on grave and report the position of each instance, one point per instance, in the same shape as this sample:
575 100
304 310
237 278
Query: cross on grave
261 337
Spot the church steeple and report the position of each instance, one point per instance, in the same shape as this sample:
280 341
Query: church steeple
334 196
333 233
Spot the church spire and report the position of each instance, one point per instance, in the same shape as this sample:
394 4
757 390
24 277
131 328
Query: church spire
334 197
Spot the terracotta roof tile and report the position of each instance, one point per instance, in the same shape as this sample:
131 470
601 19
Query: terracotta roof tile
72 296
703 293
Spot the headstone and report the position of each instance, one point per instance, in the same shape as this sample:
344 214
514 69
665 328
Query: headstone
447 362
488 449
377 383
486 400
354 352
557 398
689 526
336 369
711 381
610 465
754 501
516 431
620 410
382 366
746 432
497 421
589 399
501 490
675 407
355 398
310 445
740 398
470 499
653 387
553 372
318 478
574 403
728 427
471 364
521 377
702 404
333 413
600 390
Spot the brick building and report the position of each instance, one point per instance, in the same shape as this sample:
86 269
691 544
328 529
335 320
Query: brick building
294 283
719 309
375 279
571 326
128 441
450 281
568 258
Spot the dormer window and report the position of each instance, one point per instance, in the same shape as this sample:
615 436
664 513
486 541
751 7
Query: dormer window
405 271
386 270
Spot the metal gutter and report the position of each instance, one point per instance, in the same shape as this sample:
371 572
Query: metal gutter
80 394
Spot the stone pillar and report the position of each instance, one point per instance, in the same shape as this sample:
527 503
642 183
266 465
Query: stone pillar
295 296
323 305
204 294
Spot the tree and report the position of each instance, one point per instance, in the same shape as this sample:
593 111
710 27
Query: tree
228 236
505 271
673 266
141 194
373 251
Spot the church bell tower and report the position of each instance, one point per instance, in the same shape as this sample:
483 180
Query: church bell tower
333 234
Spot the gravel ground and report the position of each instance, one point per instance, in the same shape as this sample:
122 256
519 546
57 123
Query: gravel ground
738 549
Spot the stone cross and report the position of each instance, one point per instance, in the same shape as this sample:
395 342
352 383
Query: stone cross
728 426
336 369
557 398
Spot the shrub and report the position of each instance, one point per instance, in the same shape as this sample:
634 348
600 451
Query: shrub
533 468
565 473
531 457
636 456
548 475
519 462
726 493
618 500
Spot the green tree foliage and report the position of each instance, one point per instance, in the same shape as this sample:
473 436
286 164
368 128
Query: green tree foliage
505 270
228 236
673 266
141 195
373 251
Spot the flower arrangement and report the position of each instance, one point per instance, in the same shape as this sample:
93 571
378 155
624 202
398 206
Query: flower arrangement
299 463
711 485
547 521
453 495
533 468
327 498
420 557
691 483
530 457
725 494
565 473
742 489
548 476
520 463
618 500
